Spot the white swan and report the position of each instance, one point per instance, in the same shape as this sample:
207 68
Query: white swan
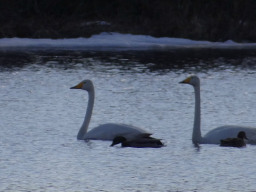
214 136
106 131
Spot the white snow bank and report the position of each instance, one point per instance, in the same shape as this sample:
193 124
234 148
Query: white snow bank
117 40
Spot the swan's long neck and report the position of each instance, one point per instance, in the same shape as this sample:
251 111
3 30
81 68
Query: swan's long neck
87 118
196 137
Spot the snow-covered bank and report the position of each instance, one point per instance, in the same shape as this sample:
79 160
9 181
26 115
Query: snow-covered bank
118 41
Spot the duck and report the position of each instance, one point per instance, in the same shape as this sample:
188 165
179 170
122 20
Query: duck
234 142
214 136
107 131
141 141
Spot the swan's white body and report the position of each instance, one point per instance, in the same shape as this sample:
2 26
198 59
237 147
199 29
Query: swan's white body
106 131
214 136
110 130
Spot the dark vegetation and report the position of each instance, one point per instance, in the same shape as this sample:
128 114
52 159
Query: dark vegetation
217 20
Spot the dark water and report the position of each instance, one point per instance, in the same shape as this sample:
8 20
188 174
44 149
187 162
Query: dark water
172 59
40 117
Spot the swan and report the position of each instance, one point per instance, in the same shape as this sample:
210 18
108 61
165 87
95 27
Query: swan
141 141
214 136
234 142
105 131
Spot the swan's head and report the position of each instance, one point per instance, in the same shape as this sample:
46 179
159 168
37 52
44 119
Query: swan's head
241 135
85 85
192 80
117 140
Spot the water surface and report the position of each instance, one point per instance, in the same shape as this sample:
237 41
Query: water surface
40 117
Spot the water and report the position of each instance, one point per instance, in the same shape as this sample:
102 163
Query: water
40 117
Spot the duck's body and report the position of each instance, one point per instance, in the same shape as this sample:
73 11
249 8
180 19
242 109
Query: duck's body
214 136
105 131
234 142
143 141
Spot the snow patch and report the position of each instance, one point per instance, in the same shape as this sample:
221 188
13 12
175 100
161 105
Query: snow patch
117 40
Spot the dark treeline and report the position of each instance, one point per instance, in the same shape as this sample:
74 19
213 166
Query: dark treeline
217 20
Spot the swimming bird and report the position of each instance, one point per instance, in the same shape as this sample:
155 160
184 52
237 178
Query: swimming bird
105 131
234 142
141 141
214 136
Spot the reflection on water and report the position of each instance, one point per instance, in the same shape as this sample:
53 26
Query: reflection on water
40 117
173 59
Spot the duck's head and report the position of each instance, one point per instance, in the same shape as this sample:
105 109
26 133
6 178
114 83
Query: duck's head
85 85
242 135
117 140
192 80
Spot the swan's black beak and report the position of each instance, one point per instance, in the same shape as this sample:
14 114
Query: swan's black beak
73 87
78 86
186 81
